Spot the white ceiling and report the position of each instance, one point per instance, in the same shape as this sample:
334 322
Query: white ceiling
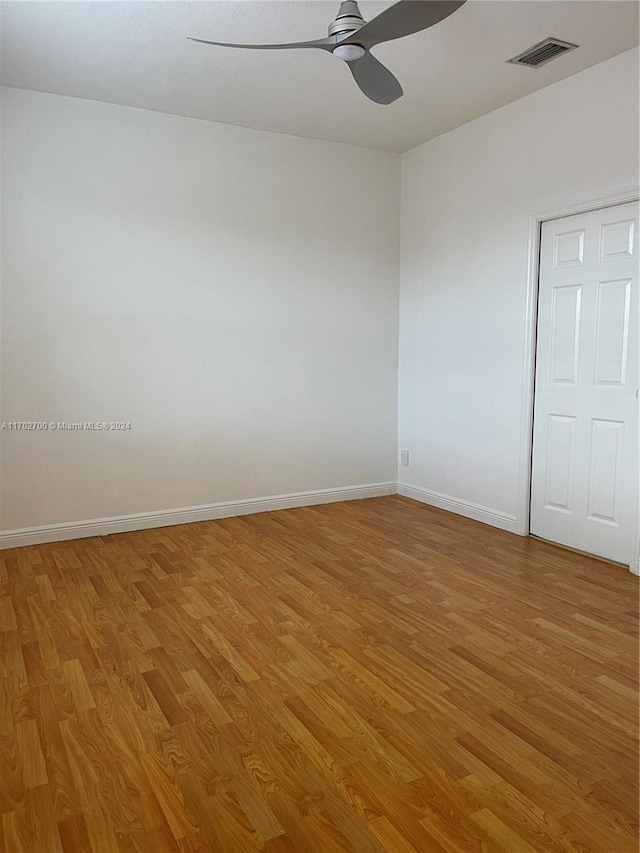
137 54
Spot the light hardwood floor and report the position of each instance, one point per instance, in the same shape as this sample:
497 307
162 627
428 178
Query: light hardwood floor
366 676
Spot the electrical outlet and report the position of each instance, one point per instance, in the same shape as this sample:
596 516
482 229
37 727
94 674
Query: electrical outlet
404 458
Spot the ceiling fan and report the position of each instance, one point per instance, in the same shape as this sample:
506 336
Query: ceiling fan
351 39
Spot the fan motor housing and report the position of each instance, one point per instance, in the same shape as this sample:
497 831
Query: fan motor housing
347 20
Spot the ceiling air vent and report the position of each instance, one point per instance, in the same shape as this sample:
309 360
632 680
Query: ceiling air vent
542 53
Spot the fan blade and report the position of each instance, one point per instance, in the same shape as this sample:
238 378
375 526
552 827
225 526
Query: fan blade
402 19
324 44
376 81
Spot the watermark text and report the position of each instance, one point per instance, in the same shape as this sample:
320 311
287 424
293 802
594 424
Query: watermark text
65 426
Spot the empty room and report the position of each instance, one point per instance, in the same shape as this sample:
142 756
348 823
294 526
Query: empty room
319 441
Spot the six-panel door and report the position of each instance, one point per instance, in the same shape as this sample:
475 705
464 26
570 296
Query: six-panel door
585 437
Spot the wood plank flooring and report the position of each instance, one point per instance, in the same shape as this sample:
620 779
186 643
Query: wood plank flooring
368 676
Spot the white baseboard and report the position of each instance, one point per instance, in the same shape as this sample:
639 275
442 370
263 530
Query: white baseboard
184 515
480 513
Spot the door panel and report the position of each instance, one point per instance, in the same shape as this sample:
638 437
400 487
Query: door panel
605 476
585 438
560 457
569 249
565 332
616 242
612 331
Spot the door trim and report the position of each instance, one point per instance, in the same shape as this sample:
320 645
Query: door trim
536 218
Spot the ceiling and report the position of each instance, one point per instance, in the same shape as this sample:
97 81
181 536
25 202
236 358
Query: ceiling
137 54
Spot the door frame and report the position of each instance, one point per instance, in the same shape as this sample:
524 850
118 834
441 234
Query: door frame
536 218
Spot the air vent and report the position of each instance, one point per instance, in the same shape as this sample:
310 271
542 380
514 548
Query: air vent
542 53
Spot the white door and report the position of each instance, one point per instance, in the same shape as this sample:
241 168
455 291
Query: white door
585 426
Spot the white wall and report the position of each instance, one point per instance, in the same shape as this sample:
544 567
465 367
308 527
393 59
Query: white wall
466 201
232 293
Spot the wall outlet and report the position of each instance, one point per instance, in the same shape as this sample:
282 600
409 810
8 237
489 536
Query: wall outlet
404 458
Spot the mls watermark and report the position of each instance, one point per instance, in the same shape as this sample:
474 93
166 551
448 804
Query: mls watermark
65 426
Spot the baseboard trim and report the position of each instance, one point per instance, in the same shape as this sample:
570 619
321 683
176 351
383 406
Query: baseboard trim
476 511
185 515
